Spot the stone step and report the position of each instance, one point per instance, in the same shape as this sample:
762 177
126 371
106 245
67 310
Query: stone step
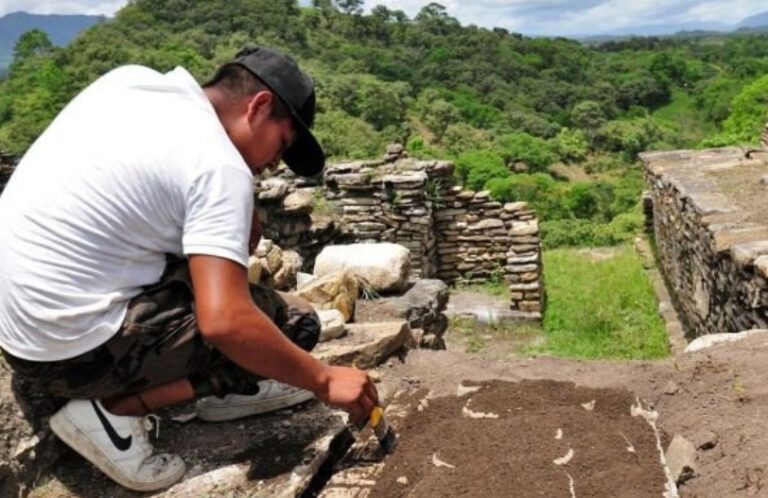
366 344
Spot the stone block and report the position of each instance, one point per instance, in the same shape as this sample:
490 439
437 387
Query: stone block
746 253
681 459
486 225
523 228
366 344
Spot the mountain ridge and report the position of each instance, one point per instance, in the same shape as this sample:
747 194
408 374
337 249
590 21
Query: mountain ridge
61 29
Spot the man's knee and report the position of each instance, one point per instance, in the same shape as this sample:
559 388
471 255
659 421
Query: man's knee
303 323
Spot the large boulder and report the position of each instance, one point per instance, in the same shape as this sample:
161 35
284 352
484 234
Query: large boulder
382 267
423 307
335 291
366 344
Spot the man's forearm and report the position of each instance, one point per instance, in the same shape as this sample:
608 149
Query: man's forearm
256 344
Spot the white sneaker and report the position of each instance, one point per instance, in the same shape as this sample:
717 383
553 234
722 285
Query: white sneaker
118 446
272 396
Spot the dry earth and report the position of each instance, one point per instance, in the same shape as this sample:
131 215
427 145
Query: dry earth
716 398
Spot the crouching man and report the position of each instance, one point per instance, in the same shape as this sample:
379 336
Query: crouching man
125 237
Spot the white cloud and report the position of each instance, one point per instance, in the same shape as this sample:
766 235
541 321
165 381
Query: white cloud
550 17
561 17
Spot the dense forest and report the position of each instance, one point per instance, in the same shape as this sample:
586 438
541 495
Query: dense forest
550 121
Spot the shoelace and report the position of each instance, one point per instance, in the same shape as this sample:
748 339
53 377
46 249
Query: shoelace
152 421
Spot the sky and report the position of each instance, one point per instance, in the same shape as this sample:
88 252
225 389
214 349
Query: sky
535 17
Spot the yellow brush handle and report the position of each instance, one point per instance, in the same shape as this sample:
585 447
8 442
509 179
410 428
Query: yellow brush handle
376 415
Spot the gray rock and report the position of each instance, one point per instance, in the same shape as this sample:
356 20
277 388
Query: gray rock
273 189
671 388
366 344
299 202
681 459
332 324
704 439
422 303
395 149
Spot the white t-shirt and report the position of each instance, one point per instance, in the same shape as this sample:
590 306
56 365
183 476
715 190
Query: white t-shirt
136 166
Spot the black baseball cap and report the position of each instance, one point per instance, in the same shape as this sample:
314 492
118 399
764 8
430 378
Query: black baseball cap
282 75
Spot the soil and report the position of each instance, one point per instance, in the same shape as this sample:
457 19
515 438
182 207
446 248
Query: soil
744 188
539 422
375 310
719 402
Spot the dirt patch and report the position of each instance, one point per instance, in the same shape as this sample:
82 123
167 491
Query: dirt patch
744 188
374 310
538 438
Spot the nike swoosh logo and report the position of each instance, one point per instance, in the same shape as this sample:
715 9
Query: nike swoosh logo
121 443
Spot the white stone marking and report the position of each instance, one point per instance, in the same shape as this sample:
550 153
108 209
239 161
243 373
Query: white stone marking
565 459
184 417
589 406
630 448
471 414
570 485
402 480
439 463
559 434
651 416
463 390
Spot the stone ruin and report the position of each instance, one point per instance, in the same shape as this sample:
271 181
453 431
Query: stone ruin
7 165
708 210
453 234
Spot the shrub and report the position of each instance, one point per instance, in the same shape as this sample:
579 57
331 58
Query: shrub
533 151
571 145
477 167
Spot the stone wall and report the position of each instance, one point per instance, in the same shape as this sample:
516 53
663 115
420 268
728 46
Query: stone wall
7 164
453 234
711 227
764 138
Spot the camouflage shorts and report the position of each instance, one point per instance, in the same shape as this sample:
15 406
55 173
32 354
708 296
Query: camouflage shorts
160 342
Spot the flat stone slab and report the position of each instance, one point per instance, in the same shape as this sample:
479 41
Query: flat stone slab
487 309
709 340
274 455
366 344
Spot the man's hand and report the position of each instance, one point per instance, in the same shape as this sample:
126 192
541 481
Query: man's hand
351 390
231 322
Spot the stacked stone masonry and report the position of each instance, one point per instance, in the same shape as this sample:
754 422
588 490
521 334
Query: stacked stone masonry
7 164
764 138
453 234
710 222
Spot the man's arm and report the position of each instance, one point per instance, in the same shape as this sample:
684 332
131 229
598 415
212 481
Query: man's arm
231 322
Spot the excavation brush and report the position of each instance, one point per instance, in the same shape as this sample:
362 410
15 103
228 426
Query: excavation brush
382 430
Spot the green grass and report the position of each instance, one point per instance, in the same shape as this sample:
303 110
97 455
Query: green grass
682 115
497 337
495 286
600 308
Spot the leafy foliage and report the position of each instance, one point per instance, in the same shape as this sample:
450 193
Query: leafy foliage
505 107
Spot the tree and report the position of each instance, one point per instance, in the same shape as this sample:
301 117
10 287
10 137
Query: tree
351 7
31 43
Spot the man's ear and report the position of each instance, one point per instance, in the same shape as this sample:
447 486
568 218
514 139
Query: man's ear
260 103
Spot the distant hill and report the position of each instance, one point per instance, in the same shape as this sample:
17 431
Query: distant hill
60 28
758 20
754 24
